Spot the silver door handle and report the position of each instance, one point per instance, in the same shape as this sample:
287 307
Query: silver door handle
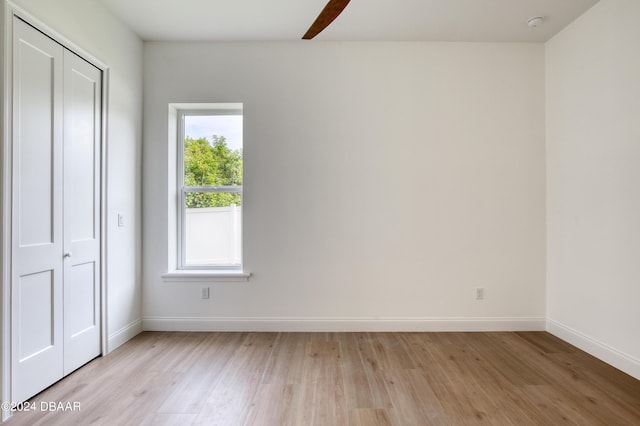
68 254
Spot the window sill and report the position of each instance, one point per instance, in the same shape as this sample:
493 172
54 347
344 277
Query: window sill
205 276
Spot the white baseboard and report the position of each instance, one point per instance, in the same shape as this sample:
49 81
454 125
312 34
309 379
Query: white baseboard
600 350
342 324
123 335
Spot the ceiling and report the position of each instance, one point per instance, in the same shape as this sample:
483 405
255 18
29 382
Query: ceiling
362 20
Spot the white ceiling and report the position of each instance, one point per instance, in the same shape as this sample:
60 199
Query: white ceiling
362 20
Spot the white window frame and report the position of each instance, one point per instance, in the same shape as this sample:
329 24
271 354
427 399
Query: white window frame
182 190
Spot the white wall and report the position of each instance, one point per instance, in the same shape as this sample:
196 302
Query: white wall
593 201
91 27
443 140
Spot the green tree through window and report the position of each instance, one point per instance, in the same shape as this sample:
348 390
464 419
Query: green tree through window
211 163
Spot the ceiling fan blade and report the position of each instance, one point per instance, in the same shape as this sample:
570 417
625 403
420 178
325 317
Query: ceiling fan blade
328 14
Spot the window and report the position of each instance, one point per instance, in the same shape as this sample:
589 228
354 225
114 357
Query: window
210 187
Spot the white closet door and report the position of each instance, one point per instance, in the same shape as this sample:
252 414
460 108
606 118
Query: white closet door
37 273
55 298
82 132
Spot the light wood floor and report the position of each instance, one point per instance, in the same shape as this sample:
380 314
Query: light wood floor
342 379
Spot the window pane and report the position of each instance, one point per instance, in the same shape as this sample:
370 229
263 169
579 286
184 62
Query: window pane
213 234
213 150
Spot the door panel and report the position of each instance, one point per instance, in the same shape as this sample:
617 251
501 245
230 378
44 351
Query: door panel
83 114
38 84
82 133
36 315
81 286
36 303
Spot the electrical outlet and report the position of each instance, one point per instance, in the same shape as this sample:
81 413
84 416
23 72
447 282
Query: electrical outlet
480 293
204 293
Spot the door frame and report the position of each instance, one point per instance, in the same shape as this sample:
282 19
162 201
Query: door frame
9 11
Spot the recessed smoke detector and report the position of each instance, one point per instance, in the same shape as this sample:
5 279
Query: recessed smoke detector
535 21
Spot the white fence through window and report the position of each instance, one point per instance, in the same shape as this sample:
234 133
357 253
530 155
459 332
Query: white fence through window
214 236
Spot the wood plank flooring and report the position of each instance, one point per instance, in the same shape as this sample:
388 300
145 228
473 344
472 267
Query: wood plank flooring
168 378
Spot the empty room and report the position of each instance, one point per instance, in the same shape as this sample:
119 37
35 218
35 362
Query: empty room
314 212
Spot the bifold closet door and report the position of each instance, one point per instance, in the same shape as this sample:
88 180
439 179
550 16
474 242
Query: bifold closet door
55 212
81 301
38 244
